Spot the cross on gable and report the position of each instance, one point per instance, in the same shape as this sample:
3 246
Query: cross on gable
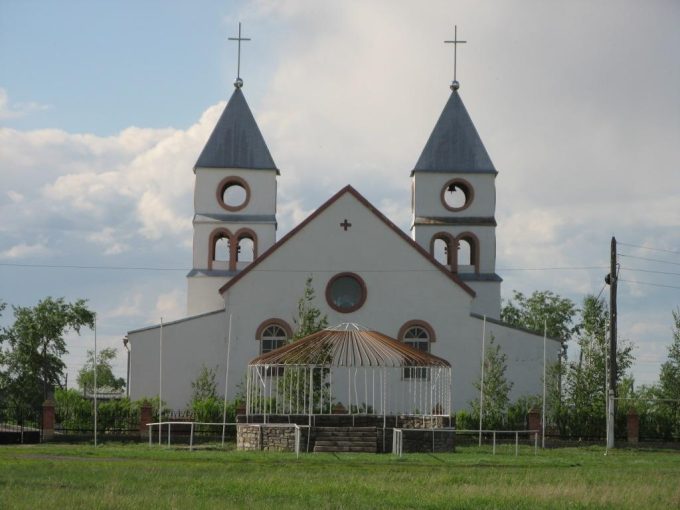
239 82
345 225
455 42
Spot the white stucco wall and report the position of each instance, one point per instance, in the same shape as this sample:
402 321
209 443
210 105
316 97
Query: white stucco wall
402 285
187 346
203 294
427 192
262 190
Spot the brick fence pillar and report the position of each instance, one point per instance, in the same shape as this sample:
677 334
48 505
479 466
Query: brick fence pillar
534 419
145 416
633 427
48 420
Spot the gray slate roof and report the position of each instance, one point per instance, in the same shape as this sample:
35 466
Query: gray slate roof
236 141
454 145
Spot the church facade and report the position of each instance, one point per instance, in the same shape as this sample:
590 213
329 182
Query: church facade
435 288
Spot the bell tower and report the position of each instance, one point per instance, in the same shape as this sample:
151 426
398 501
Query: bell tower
453 203
234 202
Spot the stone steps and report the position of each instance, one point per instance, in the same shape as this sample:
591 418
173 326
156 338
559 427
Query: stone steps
346 439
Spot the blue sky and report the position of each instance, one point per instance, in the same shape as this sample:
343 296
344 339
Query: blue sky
104 107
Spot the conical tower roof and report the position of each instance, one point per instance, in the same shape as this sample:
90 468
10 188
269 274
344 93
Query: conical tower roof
349 345
454 145
236 141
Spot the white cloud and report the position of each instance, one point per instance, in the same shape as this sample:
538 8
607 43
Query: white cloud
15 196
170 306
16 110
110 240
24 250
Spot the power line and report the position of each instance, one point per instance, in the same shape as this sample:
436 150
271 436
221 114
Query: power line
563 268
653 249
649 271
112 268
651 260
650 283
146 268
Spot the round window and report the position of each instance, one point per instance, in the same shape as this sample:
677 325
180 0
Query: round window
233 193
457 195
346 292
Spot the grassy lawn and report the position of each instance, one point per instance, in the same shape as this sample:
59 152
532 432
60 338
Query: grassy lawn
139 477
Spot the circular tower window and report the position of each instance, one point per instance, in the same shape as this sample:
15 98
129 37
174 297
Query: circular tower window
457 194
233 193
346 292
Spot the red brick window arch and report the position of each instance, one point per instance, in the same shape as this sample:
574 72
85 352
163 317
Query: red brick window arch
419 335
220 248
273 334
467 251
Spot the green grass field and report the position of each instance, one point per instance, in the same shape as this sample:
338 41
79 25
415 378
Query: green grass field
140 477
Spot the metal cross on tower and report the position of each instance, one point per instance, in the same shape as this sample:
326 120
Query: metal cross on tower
454 84
239 82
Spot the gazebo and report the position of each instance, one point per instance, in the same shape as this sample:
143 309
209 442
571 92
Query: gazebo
352 370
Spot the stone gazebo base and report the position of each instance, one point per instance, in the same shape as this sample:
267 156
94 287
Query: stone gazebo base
344 433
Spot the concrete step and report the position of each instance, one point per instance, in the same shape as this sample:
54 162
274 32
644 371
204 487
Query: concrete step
341 449
347 429
345 443
339 435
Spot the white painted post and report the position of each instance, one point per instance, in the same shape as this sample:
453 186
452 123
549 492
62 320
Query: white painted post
481 386
191 438
160 382
226 382
545 334
95 380
516 443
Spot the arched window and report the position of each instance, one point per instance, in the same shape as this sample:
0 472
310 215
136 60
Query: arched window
245 252
419 335
220 249
246 247
272 334
440 248
467 253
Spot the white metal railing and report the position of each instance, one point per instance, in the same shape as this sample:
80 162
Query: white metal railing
398 437
192 425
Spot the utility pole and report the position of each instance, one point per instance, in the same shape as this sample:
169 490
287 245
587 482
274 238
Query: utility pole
612 280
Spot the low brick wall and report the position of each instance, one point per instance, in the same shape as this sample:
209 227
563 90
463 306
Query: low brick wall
263 437
427 441
252 434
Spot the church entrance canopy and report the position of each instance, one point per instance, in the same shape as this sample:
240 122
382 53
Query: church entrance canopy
350 369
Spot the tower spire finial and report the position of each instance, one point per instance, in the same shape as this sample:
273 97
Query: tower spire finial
454 84
239 82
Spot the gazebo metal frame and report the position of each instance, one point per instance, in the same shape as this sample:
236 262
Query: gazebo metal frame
379 376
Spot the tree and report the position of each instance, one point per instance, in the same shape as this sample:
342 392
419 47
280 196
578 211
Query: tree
496 391
585 378
105 375
205 403
309 319
542 307
35 345
669 378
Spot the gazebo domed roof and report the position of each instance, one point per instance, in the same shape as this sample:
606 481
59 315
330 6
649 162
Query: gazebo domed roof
349 345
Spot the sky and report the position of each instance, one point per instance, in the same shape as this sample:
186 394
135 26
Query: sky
105 107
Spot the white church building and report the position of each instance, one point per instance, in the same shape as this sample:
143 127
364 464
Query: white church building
431 287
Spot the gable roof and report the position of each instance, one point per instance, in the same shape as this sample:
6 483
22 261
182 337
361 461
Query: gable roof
348 189
454 145
236 141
